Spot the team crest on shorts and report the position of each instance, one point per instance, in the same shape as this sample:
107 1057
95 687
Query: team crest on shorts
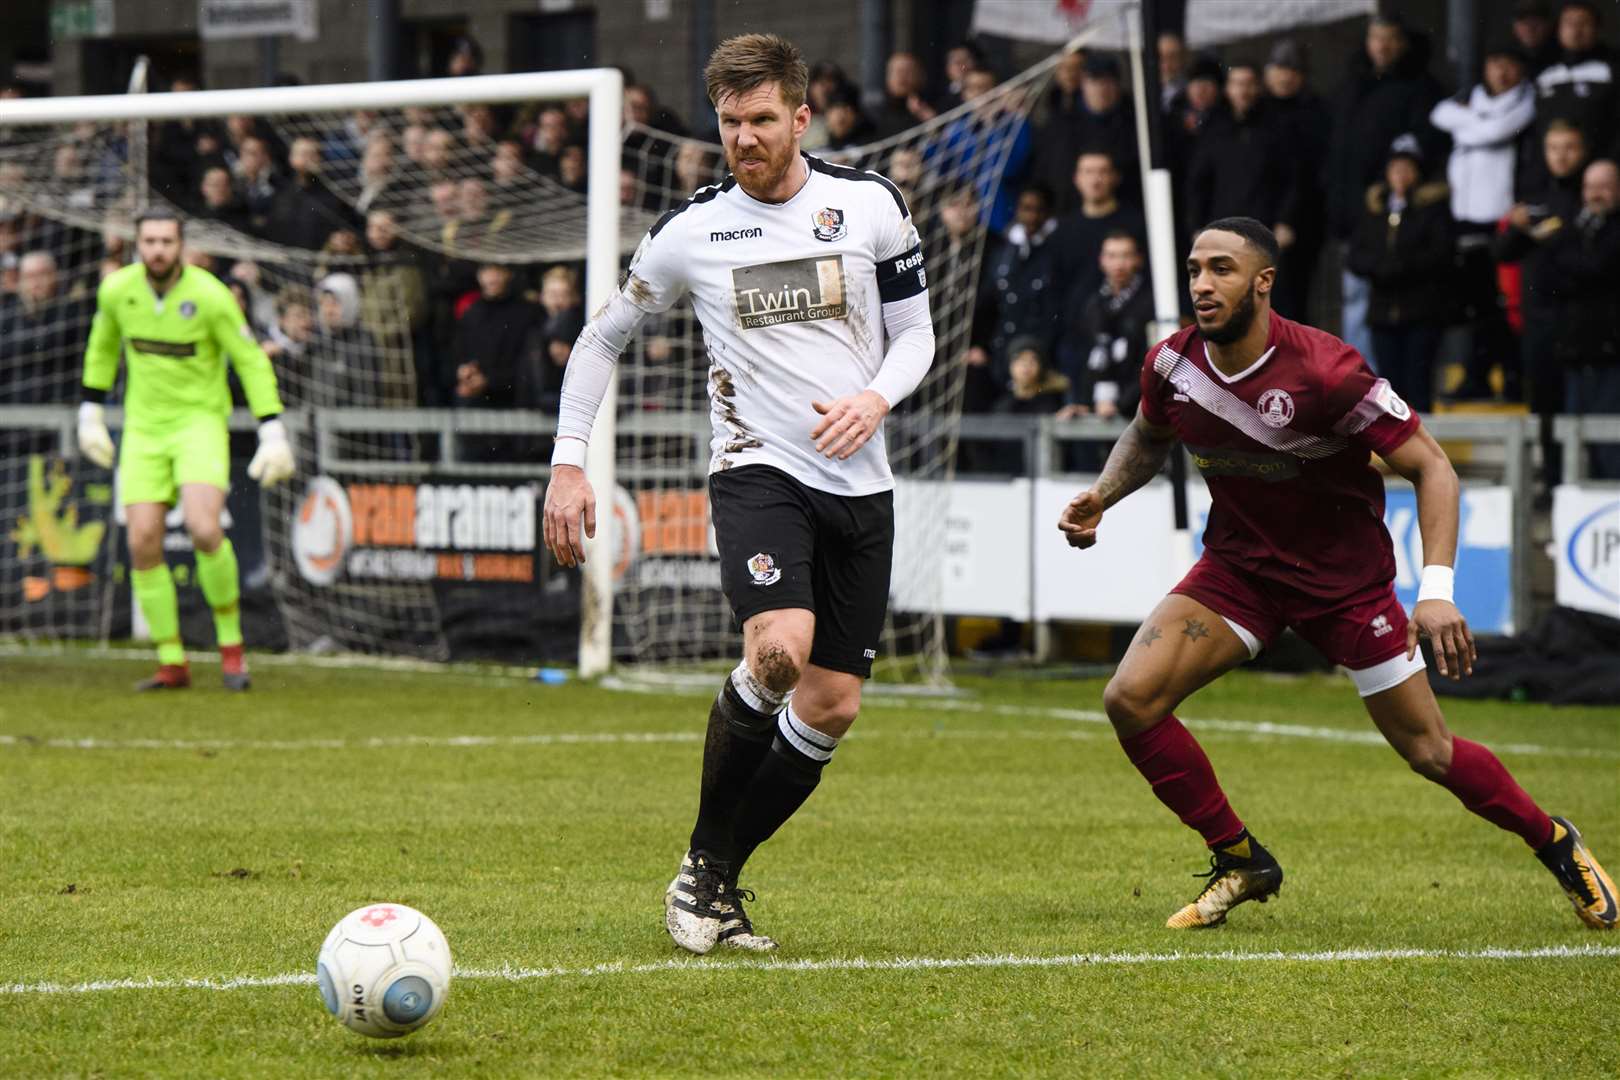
1276 408
763 569
188 310
829 224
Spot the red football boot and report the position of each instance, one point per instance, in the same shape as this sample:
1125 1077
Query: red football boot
233 668
167 677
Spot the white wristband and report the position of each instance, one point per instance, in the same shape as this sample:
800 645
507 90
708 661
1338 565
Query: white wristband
91 412
1436 584
273 430
568 451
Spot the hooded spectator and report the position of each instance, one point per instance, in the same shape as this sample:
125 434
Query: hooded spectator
1533 32
343 357
1404 246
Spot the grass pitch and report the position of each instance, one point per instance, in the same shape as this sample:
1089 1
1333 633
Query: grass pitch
978 888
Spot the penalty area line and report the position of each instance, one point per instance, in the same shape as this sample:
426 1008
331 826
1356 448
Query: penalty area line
859 963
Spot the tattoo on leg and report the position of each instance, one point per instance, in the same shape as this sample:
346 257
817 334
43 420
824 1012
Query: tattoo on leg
1195 629
1148 636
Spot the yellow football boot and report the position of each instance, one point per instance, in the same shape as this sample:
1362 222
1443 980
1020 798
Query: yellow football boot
1590 889
1238 871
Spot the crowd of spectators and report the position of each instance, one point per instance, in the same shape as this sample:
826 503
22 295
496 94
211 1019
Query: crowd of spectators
1494 210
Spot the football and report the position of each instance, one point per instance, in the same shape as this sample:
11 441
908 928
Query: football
384 970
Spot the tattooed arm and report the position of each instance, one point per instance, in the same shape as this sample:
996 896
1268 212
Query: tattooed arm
1136 458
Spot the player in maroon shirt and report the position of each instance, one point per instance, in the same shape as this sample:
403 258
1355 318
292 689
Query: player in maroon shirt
1282 419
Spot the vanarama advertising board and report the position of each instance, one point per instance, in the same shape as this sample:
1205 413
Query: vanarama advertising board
440 531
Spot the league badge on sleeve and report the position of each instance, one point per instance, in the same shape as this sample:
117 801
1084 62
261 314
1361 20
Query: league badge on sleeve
763 569
829 224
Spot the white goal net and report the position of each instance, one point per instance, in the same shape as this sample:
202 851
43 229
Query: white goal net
416 272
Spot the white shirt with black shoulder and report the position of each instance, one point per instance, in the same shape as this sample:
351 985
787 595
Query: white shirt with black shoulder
796 300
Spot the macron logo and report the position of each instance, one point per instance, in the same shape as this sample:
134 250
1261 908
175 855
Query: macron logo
736 234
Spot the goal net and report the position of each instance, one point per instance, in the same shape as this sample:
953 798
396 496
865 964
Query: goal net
416 270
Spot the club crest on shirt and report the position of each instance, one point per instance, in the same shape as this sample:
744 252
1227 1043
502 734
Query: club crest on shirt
188 310
829 224
1276 408
763 569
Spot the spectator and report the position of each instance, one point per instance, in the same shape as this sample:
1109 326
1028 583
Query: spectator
42 334
288 348
1586 259
905 96
1403 247
256 182
1387 93
220 202
1172 50
475 227
549 137
1526 234
305 212
1578 87
695 166
1532 29
564 315
498 349
571 168
1485 128
1080 234
393 287
1021 294
1102 121
641 106
342 355
646 146
972 149
1106 339
1032 389
959 60
380 182
507 173
1190 111
1062 99
1305 121
905 171
846 124
1244 165
466 58
480 127
344 145
180 148
827 82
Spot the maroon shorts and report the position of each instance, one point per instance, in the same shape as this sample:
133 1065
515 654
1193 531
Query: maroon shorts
1357 631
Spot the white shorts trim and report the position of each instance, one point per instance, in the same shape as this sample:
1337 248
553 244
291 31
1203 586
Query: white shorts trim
1391 673
1245 635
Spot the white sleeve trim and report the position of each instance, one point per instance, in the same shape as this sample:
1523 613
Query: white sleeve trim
590 366
910 330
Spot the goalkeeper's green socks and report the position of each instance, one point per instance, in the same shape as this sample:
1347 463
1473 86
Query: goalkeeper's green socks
216 573
154 591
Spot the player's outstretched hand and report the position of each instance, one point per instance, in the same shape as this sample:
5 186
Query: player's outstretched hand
568 500
1079 520
95 441
1447 631
847 423
273 462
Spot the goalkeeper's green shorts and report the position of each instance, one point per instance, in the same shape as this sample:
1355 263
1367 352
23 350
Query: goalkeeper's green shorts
153 464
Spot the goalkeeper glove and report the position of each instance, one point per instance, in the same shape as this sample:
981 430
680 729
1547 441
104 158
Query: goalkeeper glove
274 461
95 442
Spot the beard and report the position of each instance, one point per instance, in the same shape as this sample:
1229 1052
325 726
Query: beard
1236 325
158 270
759 183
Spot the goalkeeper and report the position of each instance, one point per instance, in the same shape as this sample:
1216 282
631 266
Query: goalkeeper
174 322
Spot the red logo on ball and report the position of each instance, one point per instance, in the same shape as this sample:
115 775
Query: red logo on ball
379 916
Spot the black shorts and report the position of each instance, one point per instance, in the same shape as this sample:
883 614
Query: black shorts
785 545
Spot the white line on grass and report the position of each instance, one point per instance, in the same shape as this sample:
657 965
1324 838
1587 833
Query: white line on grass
383 742
860 963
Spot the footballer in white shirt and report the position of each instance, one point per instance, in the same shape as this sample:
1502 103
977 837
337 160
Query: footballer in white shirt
808 281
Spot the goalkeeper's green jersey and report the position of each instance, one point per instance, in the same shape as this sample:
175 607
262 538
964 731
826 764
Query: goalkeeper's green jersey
175 345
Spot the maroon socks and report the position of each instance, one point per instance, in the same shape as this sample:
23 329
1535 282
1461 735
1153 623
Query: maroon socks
1490 791
1183 779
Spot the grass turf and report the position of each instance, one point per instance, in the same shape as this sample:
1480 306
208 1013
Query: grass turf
231 846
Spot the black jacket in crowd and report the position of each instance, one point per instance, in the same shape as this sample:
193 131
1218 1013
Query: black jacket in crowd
1066 135
1021 293
1371 110
1552 209
1585 256
1243 166
1578 88
503 337
303 214
42 350
1406 255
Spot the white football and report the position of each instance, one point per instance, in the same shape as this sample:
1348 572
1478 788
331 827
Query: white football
384 970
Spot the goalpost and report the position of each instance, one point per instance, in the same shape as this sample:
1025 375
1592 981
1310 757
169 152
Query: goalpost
603 244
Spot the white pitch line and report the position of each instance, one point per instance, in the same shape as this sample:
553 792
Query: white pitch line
475 741
860 963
